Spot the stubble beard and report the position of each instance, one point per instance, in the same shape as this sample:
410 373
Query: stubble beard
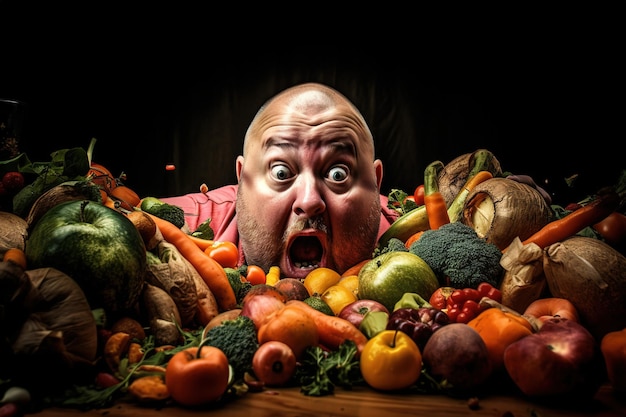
265 248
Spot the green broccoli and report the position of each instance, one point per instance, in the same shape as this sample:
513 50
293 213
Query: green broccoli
237 338
459 257
165 211
394 244
240 287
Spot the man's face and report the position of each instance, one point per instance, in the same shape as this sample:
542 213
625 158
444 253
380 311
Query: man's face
308 187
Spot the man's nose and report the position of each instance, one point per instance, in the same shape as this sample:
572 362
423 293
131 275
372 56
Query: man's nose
309 201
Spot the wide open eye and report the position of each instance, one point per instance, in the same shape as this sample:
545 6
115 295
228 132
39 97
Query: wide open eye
338 173
281 172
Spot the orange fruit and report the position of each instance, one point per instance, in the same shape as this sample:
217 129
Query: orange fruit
319 279
15 255
337 297
351 282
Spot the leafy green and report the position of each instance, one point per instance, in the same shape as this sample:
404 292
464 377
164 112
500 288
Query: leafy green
397 200
204 230
64 165
320 371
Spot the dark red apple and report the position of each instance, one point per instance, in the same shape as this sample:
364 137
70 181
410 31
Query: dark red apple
562 359
356 310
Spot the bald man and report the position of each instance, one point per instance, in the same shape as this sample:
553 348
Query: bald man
308 191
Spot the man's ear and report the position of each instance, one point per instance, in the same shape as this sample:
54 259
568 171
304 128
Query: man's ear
378 166
238 166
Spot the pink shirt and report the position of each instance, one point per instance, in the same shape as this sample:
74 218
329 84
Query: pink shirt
219 205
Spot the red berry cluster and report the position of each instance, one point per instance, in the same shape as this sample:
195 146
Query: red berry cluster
462 305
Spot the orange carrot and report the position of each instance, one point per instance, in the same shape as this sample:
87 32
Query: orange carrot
201 243
477 179
354 269
456 207
211 272
435 203
414 237
436 210
574 222
332 330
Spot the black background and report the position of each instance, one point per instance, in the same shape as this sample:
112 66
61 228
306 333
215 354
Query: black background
542 88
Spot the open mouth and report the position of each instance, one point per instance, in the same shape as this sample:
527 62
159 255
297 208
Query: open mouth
306 252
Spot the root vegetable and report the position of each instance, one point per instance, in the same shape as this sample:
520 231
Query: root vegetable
457 356
500 209
174 276
455 173
163 315
590 274
14 231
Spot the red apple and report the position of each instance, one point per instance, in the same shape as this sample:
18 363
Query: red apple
356 310
562 359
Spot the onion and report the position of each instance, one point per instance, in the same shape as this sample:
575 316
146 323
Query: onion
501 209
592 275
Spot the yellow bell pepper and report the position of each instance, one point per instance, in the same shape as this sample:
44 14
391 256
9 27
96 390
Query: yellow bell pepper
498 329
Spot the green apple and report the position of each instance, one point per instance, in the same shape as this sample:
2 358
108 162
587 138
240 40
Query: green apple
97 246
387 277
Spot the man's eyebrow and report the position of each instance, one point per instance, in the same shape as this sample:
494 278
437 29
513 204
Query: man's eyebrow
343 145
280 143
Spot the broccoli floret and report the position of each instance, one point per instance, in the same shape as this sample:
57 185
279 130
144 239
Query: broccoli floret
239 285
165 211
459 257
394 244
237 338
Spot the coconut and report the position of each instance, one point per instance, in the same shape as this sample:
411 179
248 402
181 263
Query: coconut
453 176
501 209
14 232
592 275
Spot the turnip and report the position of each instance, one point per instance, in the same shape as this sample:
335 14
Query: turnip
457 357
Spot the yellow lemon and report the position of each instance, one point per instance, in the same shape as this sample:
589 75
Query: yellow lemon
319 279
337 297
351 282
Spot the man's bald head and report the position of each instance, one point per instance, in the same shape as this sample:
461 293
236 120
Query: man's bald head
306 99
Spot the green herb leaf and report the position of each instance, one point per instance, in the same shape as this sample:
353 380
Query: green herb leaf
320 371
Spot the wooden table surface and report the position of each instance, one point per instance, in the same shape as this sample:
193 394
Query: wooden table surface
362 401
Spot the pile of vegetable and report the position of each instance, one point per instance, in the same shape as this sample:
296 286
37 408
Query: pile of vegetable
197 308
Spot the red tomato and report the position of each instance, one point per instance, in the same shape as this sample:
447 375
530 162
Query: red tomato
255 275
418 195
274 363
612 228
197 375
224 253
